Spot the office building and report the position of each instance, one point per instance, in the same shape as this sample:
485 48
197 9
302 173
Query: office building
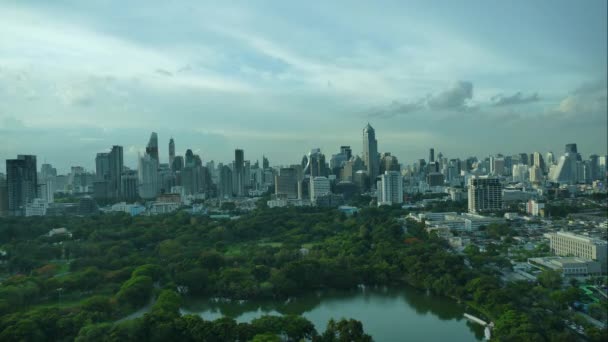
225 187
22 183
485 194
315 164
3 196
102 167
286 183
390 188
569 244
319 186
129 188
37 207
389 162
370 152
152 147
148 177
539 161
171 151
239 173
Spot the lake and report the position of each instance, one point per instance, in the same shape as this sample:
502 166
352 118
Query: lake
404 314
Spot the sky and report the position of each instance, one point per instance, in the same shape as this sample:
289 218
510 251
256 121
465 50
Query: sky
282 77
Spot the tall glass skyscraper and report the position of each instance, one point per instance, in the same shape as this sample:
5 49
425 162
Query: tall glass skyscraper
152 148
370 153
22 183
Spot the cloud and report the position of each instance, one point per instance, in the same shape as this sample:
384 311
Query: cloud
396 108
455 98
589 98
515 99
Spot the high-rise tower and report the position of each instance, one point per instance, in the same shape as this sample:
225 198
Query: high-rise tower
239 172
152 148
22 183
370 152
171 151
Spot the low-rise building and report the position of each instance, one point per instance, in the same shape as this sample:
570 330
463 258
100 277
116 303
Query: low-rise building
38 207
568 266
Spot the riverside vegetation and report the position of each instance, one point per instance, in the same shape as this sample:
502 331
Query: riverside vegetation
64 288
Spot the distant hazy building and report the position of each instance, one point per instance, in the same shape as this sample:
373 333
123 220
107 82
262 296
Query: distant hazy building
3 196
520 173
148 177
435 179
286 183
389 162
37 207
178 163
568 169
129 188
315 164
152 147
171 152
497 166
225 187
239 173
536 174
390 188
319 186
535 208
485 194
22 183
370 151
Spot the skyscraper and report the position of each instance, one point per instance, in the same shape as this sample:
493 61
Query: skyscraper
485 194
370 152
171 151
390 188
102 166
116 165
346 150
431 155
239 172
315 164
539 161
22 183
152 148
286 183
3 196
148 177
225 181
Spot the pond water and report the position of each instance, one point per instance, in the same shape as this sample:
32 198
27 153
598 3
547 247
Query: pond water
404 314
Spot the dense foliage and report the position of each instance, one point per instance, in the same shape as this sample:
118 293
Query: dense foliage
62 287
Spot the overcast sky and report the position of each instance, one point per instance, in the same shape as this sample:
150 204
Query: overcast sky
282 77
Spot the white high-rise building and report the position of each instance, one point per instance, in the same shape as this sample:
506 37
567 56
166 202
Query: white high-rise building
319 186
566 170
520 172
390 188
536 174
485 194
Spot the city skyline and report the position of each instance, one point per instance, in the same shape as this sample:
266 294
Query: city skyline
358 150
284 78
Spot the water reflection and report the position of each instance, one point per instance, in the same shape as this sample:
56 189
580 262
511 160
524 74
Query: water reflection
388 314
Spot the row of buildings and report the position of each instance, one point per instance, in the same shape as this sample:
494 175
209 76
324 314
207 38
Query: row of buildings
487 184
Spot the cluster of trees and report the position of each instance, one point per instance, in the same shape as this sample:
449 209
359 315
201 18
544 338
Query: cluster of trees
118 263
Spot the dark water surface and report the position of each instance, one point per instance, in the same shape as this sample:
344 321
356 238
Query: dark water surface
404 314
